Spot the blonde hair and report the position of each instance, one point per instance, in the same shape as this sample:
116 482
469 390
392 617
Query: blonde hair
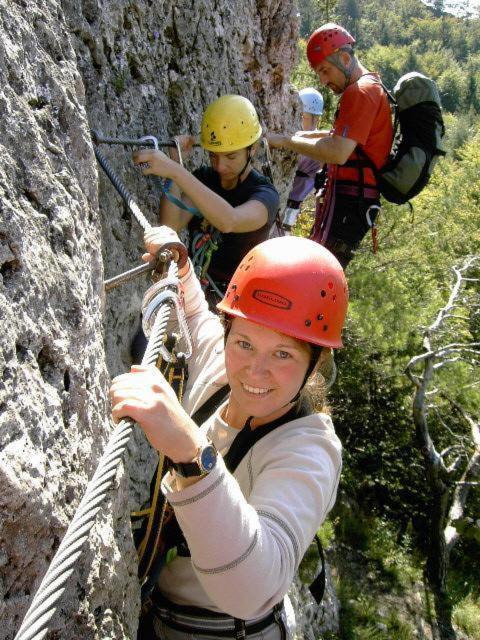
320 382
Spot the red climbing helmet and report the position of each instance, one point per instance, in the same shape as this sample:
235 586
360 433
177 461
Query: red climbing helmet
325 41
292 285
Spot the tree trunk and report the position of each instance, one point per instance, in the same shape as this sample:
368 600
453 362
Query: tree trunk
437 562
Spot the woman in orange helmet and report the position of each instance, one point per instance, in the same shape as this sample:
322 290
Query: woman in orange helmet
252 485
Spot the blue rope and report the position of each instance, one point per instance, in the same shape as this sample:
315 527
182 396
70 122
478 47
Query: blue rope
165 188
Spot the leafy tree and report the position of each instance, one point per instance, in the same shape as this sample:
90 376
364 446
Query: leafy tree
314 13
350 9
452 84
448 435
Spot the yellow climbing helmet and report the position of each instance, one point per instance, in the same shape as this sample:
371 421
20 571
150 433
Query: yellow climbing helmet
229 124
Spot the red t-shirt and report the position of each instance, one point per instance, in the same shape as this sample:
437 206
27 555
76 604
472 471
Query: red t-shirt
364 116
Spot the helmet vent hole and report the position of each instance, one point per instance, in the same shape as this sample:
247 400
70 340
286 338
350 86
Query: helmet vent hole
323 293
320 316
236 297
308 323
247 267
325 327
234 287
334 297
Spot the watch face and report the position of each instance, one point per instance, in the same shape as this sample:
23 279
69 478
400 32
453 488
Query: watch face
208 458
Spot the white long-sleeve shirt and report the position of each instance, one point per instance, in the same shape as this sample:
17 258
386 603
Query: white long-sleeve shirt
247 531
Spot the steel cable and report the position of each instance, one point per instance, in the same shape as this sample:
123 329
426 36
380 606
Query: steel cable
98 138
122 190
43 606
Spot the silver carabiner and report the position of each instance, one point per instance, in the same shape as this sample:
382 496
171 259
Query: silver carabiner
146 165
179 151
150 139
367 214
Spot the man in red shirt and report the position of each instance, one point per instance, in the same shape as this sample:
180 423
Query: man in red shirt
361 137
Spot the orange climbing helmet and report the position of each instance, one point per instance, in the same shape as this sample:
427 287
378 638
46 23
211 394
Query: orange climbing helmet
325 41
292 285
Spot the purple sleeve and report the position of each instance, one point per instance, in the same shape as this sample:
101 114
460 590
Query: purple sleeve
303 184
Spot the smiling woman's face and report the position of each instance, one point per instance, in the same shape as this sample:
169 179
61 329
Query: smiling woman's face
265 370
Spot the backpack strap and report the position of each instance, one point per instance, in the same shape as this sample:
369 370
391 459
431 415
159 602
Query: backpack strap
153 539
209 407
363 161
247 437
317 588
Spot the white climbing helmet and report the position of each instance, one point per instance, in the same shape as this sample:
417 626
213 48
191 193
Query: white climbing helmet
312 101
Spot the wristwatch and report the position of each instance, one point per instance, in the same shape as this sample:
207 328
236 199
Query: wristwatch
204 462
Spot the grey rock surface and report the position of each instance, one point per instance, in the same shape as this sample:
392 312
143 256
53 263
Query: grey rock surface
312 619
128 69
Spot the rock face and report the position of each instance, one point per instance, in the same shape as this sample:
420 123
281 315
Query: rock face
312 619
127 69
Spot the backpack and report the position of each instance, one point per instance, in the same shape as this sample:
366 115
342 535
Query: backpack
418 131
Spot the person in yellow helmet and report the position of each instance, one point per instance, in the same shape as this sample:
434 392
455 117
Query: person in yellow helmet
236 205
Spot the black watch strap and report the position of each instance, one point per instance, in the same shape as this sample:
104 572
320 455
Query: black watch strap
188 469
205 462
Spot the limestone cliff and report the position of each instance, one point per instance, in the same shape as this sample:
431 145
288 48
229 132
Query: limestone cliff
128 68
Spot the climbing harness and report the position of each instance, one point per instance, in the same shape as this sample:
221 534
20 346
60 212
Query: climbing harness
159 302
203 245
195 620
325 207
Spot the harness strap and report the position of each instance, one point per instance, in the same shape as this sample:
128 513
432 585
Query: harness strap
195 620
317 588
211 405
240 629
369 193
325 208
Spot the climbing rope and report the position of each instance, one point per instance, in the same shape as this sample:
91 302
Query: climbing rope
159 301
122 190
43 606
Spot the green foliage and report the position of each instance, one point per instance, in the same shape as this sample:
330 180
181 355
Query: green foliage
395 555
393 296
363 577
361 620
313 13
459 130
303 76
384 506
307 570
466 616
468 528
326 533
405 35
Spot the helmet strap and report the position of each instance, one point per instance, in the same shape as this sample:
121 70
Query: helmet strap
249 159
346 70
